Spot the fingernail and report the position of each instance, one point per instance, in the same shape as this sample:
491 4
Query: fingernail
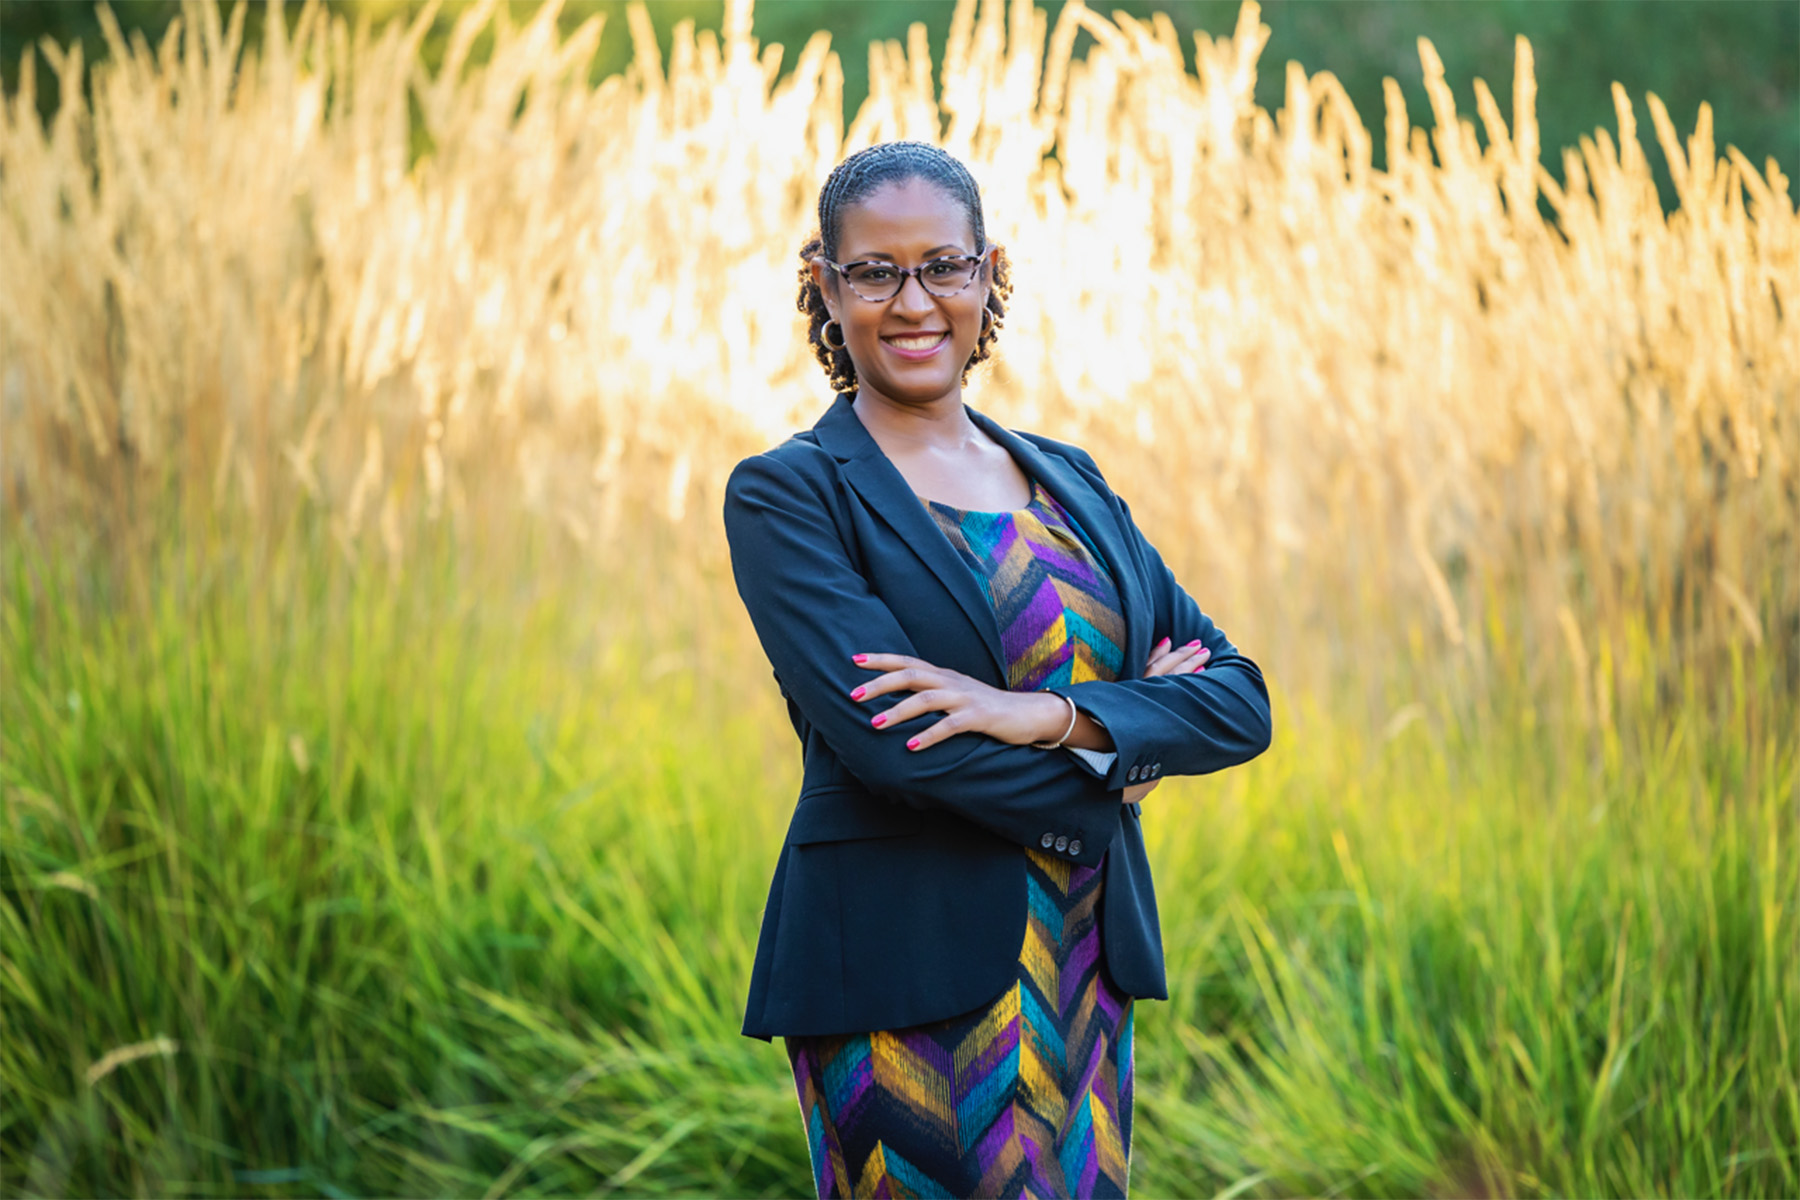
1195 642
858 693
1164 642
878 720
1206 650
861 658
912 743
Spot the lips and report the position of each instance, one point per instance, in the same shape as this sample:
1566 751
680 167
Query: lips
917 345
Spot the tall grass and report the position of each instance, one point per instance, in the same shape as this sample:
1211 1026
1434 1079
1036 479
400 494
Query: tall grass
389 778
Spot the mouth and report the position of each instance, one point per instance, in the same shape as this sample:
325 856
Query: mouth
917 345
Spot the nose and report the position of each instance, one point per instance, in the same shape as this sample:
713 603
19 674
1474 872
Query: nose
912 298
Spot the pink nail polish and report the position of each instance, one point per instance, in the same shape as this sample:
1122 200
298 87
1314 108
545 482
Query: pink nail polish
912 744
860 658
878 720
858 693
1195 642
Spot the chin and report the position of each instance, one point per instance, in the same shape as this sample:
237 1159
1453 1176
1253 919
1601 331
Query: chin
916 391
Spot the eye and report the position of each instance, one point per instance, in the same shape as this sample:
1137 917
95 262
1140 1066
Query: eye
870 273
943 268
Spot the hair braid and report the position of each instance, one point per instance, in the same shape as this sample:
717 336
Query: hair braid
854 180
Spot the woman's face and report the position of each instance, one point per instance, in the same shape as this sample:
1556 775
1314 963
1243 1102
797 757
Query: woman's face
912 348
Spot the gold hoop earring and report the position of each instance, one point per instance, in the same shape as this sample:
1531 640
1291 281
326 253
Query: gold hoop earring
988 321
825 333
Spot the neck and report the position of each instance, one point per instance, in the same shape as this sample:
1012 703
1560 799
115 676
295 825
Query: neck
941 424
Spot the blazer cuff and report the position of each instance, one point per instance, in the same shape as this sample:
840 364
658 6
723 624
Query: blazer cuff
1136 756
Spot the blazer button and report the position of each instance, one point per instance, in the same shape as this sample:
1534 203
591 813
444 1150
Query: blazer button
1062 843
1132 774
1075 846
1156 768
1047 841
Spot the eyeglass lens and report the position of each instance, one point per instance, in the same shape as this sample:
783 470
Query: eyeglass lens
941 277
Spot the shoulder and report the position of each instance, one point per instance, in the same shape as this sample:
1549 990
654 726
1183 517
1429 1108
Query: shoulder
797 467
1068 451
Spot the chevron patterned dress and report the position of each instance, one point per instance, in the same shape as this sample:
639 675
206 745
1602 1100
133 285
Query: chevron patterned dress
1032 1095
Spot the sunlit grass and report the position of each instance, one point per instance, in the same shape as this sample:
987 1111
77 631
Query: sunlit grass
434 893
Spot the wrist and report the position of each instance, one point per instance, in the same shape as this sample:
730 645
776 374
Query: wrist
1057 723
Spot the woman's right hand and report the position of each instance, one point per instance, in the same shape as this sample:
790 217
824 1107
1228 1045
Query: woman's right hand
1168 660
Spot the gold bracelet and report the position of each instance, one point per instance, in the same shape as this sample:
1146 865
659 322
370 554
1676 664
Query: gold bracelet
1057 744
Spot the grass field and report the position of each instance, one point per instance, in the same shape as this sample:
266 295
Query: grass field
390 780
435 895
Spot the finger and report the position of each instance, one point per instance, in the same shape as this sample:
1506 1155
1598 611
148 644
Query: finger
1158 649
949 727
1177 660
906 679
916 705
1167 664
887 662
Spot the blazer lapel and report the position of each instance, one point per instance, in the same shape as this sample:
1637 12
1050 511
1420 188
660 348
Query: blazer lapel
875 478
1097 522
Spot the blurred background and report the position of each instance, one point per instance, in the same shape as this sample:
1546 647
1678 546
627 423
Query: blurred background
1740 56
390 779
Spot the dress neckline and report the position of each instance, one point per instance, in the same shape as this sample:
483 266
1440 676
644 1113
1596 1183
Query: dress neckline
988 512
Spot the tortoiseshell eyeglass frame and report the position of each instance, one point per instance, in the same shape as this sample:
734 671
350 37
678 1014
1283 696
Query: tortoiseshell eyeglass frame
975 260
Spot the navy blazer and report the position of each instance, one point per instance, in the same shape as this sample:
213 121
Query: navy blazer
900 893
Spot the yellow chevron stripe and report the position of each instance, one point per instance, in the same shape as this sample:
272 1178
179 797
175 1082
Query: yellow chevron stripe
1040 1085
910 1079
1000 1014
1108 1144
1048 646
1057 869
1084 666
1039 958
1085 1008
875 1172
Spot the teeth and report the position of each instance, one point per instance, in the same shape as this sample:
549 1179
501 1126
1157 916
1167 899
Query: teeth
917 341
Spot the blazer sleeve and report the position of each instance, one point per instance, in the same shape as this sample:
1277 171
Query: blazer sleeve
1175 724
813 610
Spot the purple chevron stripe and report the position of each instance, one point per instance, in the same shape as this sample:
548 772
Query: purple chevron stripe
1032 617
1076 965
1054 558
1090 1170
1108 1003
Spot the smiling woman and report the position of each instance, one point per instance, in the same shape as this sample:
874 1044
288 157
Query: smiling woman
988 667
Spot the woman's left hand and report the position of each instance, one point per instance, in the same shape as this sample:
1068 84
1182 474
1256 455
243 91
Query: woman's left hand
968 705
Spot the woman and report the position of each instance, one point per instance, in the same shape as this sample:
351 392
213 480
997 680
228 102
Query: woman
962 912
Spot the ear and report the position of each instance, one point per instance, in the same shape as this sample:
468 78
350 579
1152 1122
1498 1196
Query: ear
823 280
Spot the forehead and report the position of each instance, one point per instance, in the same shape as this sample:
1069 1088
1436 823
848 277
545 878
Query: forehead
904 219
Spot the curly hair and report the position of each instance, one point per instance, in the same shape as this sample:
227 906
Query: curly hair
854 180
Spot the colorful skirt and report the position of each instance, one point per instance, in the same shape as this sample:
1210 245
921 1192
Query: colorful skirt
1030 1096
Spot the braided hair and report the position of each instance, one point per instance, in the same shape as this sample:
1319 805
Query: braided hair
854 180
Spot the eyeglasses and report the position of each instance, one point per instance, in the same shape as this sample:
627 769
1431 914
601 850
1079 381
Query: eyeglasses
942 277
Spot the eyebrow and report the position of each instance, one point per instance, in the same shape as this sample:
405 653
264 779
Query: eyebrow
928 253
